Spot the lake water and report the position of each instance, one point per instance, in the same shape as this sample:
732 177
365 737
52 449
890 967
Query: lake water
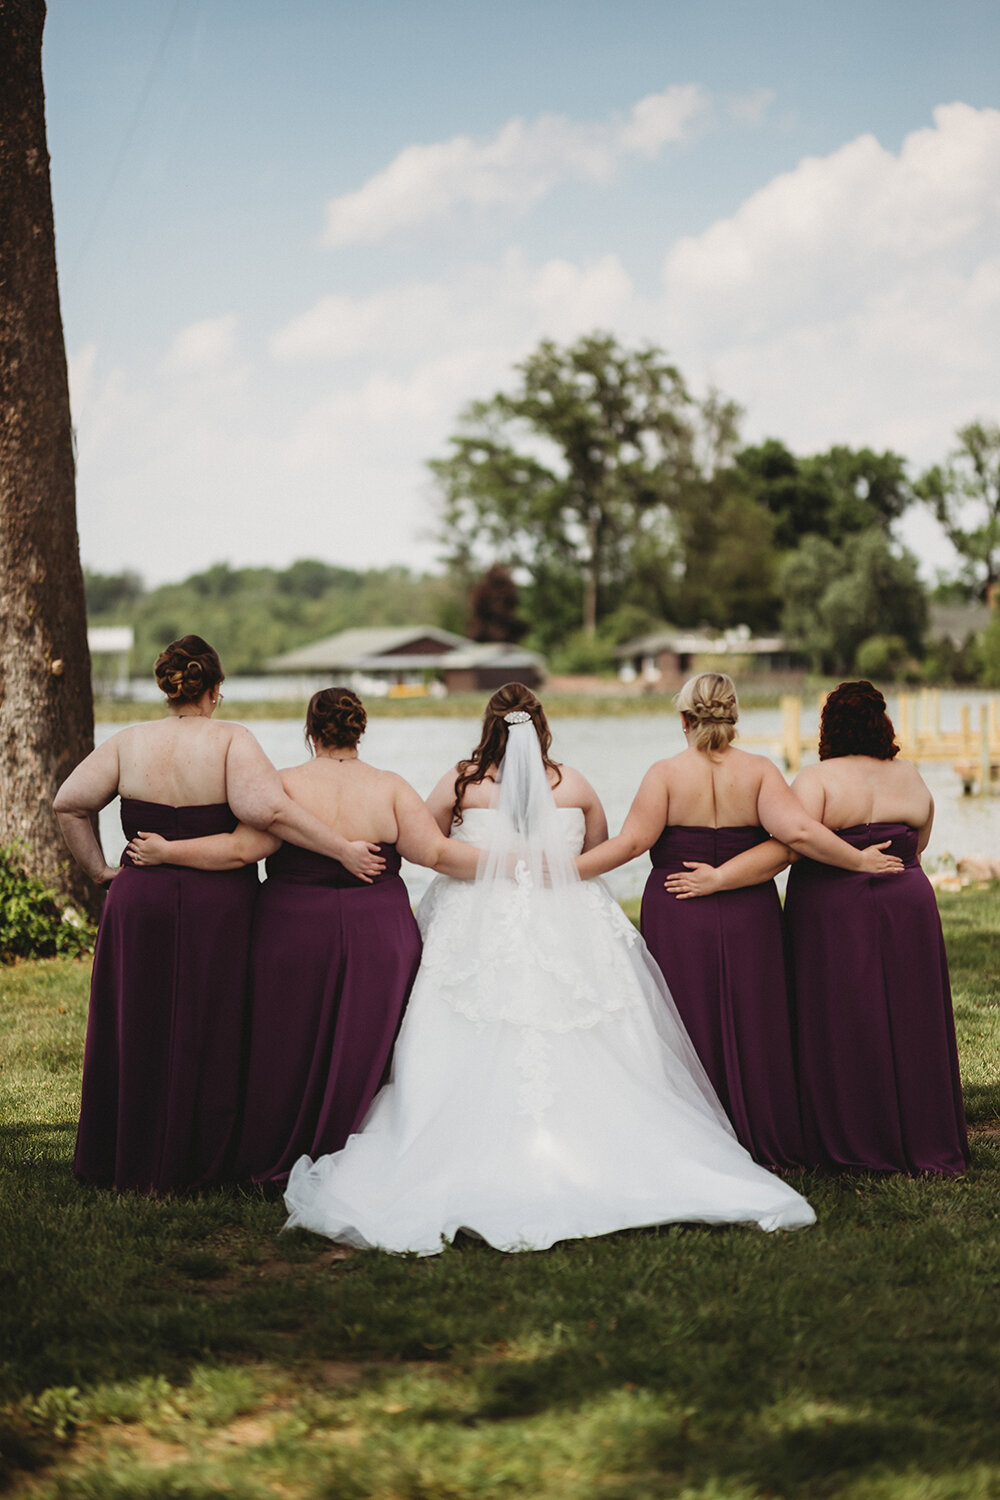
614 754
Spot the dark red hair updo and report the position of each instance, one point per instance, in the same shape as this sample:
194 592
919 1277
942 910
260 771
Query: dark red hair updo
854 722
492 747
335 719
188 668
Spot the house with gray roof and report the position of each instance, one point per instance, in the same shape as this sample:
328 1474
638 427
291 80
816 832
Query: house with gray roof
386 659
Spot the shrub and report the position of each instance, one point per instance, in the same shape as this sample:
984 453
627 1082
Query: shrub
32 922
881 657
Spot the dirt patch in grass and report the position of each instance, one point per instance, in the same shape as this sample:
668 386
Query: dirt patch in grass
227 1264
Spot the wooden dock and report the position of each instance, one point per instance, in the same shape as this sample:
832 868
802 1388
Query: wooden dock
973 749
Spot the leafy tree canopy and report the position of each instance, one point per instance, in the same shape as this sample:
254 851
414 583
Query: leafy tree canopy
839 596
835 494
557 476
964 494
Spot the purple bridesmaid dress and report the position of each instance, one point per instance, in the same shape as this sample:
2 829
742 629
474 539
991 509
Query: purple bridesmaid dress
723 959
877 1054
333 961
166 1032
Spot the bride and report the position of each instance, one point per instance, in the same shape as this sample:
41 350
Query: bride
543 1087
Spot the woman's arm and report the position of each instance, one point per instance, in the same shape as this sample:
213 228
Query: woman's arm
441 801
784 816
751 867
924 831
216 851
420 840
256 795
642 827
85 791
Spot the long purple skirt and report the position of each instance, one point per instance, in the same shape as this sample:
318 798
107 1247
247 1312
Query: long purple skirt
163 1063
877 1054
723 959
333 962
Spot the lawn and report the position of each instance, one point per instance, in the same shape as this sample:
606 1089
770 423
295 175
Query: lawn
182 1348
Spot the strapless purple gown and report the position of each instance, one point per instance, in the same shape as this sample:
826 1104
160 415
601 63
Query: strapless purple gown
877 1055
333 961
723 959
164 1056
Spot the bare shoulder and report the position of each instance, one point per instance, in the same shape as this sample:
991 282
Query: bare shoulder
573 789
809 774
905 770
396 785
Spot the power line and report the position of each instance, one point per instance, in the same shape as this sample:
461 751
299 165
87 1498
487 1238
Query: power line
129 137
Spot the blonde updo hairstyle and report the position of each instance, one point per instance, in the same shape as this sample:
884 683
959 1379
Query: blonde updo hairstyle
708 703
335 719
188 668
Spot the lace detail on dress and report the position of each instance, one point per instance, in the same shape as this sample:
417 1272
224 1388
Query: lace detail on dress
524 954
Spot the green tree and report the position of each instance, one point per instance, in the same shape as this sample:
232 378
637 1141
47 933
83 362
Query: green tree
834 494
987 652
557 476
108 592
964 494
839 596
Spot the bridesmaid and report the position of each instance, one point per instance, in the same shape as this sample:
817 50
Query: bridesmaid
165 1035
332 959
723 956
877 1054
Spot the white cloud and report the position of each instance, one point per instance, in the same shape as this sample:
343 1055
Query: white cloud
202 346
501 305
752 108
856 298
523 162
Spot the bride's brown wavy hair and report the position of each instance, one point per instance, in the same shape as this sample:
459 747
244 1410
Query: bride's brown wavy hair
493 741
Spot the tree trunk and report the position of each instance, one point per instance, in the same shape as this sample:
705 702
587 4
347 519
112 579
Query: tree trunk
46 702
590 578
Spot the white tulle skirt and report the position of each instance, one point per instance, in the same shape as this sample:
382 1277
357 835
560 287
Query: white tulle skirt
543 1088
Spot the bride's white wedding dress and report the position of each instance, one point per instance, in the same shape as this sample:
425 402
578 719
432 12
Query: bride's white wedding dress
543 1087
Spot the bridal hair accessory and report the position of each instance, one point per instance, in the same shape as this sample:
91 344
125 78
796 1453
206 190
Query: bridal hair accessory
517 716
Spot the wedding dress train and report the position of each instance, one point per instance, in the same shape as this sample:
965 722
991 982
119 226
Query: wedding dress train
543 1087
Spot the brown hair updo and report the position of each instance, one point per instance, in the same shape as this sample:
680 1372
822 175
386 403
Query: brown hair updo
188 668
335 719
708 702
854 722
493 741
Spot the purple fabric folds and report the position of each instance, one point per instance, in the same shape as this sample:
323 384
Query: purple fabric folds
877 1054
168 1009
333 962
723 959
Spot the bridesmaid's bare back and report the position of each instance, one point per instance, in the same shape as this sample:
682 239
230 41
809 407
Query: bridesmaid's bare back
849 790
717 789
180 761
347 794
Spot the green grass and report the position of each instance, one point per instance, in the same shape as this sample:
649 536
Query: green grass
455 706
182 1348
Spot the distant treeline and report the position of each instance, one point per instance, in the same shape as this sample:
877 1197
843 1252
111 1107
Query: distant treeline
251 614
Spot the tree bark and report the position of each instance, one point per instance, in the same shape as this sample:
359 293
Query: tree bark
46 701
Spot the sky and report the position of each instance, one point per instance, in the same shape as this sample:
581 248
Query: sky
295 239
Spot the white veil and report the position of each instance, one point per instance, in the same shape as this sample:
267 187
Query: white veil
528 838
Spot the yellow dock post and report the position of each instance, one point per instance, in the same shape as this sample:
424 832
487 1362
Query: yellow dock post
985 766
791 709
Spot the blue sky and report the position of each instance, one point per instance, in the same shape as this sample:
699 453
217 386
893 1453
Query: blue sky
296 238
